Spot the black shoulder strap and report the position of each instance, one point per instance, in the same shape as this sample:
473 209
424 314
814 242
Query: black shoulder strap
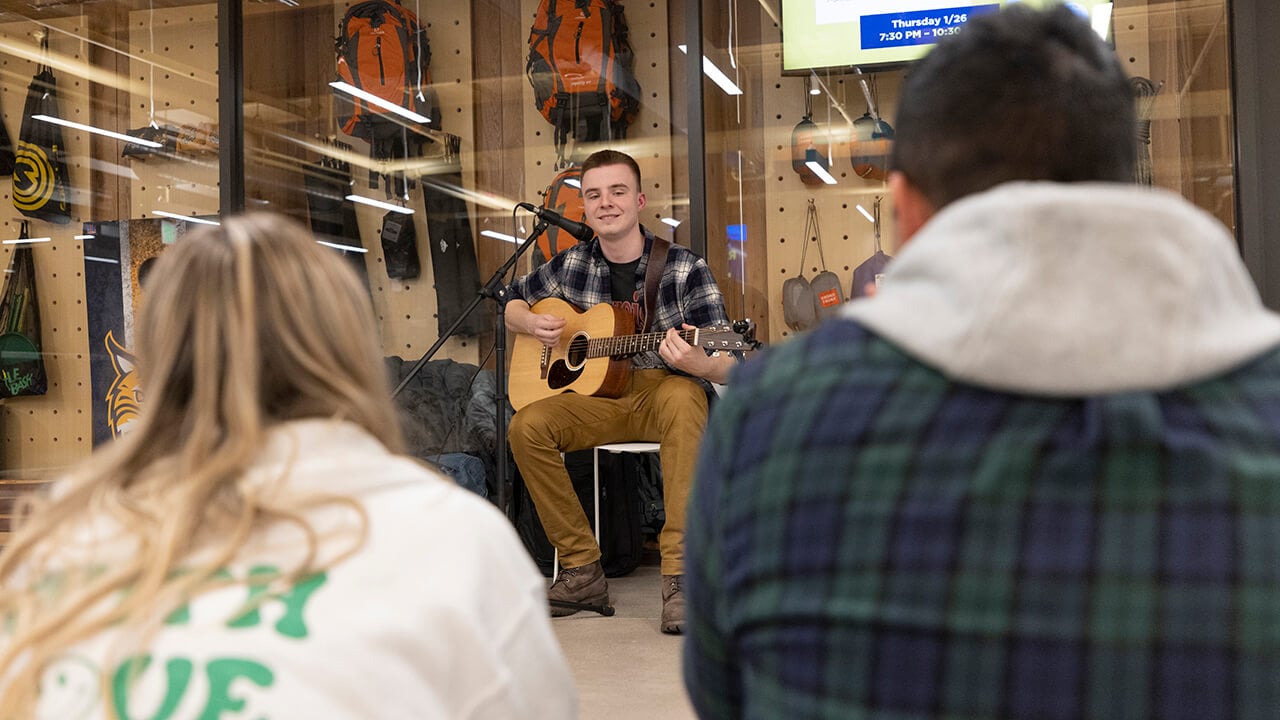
652 277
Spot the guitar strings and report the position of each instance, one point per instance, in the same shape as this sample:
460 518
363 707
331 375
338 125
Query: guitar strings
628 344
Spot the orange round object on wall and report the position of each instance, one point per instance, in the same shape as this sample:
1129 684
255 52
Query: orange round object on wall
804 138
869 147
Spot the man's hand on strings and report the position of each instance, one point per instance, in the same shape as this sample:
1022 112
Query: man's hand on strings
546 328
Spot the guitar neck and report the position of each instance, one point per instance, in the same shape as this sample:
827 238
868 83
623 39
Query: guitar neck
633 344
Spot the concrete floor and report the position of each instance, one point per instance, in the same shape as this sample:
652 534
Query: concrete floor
624 666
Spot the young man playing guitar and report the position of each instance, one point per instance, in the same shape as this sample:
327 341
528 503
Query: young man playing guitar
665 398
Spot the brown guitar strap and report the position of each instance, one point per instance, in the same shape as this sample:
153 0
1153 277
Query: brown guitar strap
652 276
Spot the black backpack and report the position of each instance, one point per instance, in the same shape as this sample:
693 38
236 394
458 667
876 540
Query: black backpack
620 537
621 542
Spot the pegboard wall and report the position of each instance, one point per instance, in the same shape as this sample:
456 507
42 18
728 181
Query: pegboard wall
173 50
180 90
171 80
648 139
43 434
848 238
407 308
171 83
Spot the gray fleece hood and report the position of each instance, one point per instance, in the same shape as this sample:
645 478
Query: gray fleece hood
1070 290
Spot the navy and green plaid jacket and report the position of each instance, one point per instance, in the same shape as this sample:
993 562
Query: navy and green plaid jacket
869 540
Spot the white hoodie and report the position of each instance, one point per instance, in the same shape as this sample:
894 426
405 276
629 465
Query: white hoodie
1072 290
440 615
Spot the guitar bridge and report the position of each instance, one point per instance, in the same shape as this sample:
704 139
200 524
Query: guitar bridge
545 363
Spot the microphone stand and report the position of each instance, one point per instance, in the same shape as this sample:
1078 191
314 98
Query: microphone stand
495 289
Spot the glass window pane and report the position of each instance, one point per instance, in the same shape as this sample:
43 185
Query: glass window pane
757 181
133 118
150 70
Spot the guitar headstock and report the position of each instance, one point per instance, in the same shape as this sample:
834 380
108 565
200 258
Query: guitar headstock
740 335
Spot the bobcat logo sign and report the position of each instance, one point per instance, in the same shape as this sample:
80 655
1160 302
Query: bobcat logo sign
123 396
34 177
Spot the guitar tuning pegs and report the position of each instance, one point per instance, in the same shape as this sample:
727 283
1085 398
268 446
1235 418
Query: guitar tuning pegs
747 330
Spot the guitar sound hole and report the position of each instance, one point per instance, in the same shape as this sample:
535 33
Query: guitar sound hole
576 354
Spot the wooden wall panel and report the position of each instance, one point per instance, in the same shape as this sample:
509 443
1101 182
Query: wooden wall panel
498 57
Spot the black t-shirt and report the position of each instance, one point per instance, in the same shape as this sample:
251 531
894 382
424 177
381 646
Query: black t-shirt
622 277
625 294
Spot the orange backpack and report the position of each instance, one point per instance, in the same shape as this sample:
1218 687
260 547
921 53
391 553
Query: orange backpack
562 196
384 51
581 67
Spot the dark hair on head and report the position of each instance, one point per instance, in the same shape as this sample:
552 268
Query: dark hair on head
600 158
1017 95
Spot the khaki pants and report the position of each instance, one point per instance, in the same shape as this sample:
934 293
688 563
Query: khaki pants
657 407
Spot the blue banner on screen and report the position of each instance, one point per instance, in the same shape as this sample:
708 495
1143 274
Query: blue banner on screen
924 27
872 34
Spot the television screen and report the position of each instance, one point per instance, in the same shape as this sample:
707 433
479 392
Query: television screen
868 33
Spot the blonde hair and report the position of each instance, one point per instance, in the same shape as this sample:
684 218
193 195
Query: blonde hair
244 326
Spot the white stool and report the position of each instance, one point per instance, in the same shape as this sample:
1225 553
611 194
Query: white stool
622 447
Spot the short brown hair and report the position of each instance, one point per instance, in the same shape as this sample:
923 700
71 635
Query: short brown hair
600 158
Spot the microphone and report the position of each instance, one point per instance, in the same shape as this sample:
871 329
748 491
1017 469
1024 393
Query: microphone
581 231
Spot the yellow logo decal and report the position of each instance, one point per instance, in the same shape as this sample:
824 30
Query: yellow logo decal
123 397
34 177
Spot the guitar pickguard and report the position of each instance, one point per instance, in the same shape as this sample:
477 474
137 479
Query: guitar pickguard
561 376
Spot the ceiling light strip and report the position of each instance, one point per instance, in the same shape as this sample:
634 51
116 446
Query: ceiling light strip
188 218
97 131
499 236
345 248
714 74
821 172
375 100
379 204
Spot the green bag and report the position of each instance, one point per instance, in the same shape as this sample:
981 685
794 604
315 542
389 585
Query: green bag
21 362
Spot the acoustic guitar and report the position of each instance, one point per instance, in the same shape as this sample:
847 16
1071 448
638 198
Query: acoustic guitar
590 358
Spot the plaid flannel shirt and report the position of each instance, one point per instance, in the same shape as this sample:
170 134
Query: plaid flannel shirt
867 539
687 292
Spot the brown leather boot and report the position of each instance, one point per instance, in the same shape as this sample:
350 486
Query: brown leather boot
584 584
672 604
